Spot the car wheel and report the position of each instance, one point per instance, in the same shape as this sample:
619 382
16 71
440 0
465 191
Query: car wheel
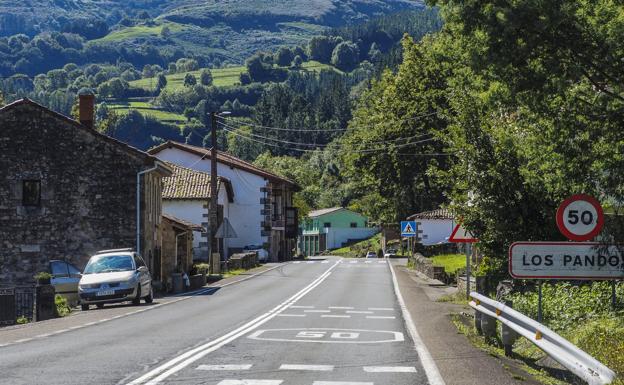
100 305
150 297
84 307
137 300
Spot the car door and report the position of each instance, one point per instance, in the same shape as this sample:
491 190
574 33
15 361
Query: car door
65 282
144 275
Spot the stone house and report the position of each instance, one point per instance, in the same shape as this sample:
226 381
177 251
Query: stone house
67 191
186 195
262 214
177 247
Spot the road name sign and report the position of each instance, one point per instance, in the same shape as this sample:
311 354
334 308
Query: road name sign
409 229
565 260
461 235
580 217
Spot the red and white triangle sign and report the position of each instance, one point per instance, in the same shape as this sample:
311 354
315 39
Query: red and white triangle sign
461 235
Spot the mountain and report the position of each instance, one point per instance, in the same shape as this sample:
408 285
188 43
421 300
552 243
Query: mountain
222 30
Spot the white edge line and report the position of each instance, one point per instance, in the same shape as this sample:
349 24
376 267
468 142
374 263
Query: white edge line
431 369
314 368
389 369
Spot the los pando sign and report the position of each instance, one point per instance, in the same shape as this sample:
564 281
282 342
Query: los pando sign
580 218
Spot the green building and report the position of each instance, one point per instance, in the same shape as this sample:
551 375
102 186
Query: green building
332 228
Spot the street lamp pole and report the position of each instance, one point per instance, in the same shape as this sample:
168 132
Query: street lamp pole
213 209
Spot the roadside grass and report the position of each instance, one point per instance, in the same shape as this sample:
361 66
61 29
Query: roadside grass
525 364
456 298
233 273
450 262
61 306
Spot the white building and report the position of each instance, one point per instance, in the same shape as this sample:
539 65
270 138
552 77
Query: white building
186 195
261 213
436 226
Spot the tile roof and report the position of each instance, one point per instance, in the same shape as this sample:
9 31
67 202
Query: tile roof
433 214
191 184
318 213
224 158
183 223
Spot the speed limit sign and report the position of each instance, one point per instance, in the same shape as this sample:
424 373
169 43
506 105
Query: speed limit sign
580 217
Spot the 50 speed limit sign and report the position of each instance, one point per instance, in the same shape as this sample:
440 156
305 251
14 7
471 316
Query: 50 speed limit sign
580 217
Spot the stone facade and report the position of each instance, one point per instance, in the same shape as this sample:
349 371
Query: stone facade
87 192
177 247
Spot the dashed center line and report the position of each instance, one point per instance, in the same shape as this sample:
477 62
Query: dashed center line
341 383
225 367
291 315
314 368
251 382
381 308
335 316
359 312
380 317
316 311
341 307
390 369
301 307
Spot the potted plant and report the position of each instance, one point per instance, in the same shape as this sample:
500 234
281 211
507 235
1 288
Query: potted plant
43 278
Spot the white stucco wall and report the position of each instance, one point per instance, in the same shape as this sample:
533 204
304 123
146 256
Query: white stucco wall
244 214
436 231
336 237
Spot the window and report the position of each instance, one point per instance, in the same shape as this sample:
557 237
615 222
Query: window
31 193
327 225
59 269
354 225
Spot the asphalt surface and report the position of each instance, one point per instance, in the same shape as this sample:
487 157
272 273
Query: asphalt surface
331 322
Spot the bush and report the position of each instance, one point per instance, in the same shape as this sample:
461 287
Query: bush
62 307
202 268
43 277
22 320
603 339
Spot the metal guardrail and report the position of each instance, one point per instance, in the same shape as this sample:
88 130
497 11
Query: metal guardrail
560 349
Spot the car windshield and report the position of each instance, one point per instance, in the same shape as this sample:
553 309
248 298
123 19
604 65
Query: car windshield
109 263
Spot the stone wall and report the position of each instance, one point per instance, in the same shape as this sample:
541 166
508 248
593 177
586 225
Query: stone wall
425 266
88 192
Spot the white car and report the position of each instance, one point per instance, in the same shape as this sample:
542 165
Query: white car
390 253
371 254
263 255
115 276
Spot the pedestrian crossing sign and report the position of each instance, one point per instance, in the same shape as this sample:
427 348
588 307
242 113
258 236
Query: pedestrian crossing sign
408 228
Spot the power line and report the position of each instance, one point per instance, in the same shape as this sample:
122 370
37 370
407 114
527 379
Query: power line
330 129
322 145
309 150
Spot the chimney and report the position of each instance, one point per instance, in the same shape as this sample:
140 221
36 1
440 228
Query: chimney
87 110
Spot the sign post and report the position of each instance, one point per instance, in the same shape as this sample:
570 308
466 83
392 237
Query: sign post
461 235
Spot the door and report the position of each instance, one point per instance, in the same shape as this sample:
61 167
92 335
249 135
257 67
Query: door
144 276
65 278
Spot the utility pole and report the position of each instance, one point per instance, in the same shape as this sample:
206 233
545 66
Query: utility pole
213 210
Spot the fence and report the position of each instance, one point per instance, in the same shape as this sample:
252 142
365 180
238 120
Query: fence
561 350
17 302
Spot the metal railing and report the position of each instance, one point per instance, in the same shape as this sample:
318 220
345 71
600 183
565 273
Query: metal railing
561 350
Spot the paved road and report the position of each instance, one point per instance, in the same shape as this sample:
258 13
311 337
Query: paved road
331 322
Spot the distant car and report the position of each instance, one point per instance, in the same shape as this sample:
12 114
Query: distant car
115 276
371 254
65 278
263 255
390 253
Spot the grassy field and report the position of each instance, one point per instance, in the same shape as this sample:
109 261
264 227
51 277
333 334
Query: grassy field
358 249
146 109
450 262
222 77
139 31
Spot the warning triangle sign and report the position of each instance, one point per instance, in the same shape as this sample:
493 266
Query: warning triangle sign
462 235
408 229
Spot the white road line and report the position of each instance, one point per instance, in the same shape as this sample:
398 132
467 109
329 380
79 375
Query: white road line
180 362
296 262
311 262
431 369
317 311
353 262
314 368
291 315
225 367
325 262
250 382
389 369
359 312
379 317
334 316
381 262
341 383
301 307
381 309
368 261
341 307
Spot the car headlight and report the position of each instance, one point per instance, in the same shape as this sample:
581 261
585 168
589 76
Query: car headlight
88 286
